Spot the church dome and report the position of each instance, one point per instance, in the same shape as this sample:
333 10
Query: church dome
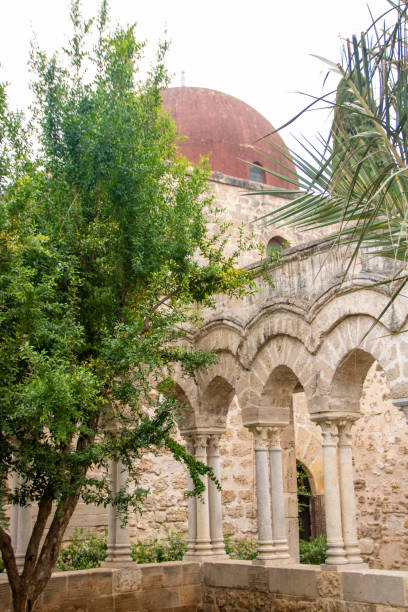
225 129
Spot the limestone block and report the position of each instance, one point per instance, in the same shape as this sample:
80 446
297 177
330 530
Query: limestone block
296 580
190 595
148 600
329 584
89 583
101 604
232 574
127 579
56 589
375 586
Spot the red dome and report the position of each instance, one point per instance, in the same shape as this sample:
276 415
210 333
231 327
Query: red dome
224 129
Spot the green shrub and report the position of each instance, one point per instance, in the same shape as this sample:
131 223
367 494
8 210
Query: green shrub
170 548
1 564
313 552
243 549
84 551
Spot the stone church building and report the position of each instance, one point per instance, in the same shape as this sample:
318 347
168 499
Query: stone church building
297 386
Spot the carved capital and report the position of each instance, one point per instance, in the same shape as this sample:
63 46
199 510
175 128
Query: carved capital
201 445
402 405
344 427
189 441
274 438
261 435
330 433
214 445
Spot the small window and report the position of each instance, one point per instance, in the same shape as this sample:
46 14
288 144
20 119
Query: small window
275 244
256 173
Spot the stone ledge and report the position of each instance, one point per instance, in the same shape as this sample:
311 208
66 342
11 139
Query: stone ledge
190 587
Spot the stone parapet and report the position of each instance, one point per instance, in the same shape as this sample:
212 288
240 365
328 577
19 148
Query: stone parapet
174 586
221 586
244 586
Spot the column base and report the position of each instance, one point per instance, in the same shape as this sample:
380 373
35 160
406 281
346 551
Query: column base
119 563
118 555
274 561
204 558
344 567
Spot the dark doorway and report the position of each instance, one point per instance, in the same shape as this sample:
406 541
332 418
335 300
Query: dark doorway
304 495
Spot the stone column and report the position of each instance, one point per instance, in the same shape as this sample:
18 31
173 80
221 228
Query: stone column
191 503
278 506
348 501
266 548
335 546
214 497
14 512
203 539
118 552
20 526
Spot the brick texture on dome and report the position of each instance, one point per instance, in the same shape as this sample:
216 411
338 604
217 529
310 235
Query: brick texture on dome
225 129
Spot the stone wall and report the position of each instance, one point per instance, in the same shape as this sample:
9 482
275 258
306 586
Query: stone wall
165 586
221 587
380 447
242 586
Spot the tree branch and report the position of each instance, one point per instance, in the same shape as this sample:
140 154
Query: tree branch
44 511
9 559
146 320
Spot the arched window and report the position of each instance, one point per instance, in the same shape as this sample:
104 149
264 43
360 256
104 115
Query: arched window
256 173
275 244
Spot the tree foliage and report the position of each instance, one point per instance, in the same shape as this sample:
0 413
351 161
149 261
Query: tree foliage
105 260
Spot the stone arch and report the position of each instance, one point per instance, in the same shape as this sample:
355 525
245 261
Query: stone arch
279 352
186 417
347 384
215 402
350 335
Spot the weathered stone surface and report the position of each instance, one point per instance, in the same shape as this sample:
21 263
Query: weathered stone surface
379 587
293 580
329 585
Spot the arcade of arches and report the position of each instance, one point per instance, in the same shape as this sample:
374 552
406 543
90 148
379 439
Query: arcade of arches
297 380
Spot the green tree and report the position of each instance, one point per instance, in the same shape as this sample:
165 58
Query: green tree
105 260
358 181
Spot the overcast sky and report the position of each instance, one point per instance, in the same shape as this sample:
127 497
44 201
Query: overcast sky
258 51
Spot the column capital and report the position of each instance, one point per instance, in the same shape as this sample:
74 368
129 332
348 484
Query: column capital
402 404
274 438
201 440
189 441
261 435
214 444
344 428
330 433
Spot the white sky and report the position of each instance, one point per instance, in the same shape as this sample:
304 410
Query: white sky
257 51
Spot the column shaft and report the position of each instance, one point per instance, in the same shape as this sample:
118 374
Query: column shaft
348 502
214 498
203 539
118 535
335 545
265 542
278 506
191 505
20 526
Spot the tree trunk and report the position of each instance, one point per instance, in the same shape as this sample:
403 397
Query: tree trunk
24 603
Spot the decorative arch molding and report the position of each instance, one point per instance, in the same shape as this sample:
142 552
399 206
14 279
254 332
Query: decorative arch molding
227 367
346 337
187 392
272 323
325 315
276 352
221 335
